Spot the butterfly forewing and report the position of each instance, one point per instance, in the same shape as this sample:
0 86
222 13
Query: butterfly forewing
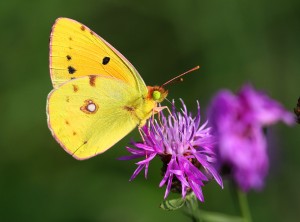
77 51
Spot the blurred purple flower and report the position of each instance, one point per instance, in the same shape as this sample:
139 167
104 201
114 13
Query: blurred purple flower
239 122
184 145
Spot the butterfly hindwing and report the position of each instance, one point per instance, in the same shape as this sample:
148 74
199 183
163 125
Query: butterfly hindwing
89 114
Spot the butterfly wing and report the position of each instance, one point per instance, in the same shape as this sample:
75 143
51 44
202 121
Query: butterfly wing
90 114
75 51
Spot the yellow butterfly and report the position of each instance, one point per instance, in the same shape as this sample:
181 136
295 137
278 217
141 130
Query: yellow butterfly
98 95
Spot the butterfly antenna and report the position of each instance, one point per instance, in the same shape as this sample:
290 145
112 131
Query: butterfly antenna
178 78
169 101
172 103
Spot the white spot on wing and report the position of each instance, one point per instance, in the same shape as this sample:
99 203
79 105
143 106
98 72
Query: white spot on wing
91 107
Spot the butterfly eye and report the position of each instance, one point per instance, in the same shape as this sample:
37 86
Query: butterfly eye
156 95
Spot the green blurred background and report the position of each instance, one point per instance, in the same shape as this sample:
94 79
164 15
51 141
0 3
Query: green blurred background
234 41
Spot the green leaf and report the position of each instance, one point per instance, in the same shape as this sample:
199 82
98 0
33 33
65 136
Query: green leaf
173 204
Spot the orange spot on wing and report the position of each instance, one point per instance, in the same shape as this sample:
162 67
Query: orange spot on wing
75 88
129 108
92 80
82 28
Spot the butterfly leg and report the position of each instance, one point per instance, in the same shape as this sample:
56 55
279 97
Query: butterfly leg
158 109
141 133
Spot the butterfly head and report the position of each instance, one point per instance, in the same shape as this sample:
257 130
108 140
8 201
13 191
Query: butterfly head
157 93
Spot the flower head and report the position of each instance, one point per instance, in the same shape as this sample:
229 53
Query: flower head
239 121
185 147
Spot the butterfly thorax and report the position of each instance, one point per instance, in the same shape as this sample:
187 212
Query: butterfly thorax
144 108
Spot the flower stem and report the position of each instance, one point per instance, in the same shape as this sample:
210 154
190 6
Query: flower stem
191 213
244 206
191 204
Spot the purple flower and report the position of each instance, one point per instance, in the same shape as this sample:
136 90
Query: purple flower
239 122
185 147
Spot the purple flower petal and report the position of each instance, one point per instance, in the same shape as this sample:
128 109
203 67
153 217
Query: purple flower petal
136 172
147 160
